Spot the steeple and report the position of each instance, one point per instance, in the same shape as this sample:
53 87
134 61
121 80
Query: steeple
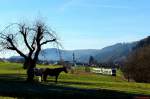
74 61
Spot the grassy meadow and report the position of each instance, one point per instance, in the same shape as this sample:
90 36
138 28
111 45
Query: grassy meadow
79 84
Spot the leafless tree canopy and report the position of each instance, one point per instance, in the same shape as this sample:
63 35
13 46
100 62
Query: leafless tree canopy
27 41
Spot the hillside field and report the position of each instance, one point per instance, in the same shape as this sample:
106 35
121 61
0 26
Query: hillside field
79 84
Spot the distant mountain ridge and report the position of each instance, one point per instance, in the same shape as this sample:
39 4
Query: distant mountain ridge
142 43
114 53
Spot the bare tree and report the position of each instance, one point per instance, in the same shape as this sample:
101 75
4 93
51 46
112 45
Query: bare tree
27 41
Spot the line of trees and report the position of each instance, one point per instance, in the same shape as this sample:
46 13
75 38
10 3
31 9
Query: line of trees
137 66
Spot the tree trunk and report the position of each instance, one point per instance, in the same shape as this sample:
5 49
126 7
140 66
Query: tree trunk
30 74
30 70
27 63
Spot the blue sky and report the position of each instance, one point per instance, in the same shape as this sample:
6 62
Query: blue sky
84 24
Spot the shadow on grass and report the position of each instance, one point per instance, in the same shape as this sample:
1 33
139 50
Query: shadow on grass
14 85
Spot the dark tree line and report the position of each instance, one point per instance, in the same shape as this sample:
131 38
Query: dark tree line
137 66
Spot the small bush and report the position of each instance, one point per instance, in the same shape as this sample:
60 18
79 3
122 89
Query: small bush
87 69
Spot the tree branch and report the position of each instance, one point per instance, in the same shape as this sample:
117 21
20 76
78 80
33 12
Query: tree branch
33 43
48 41
13 47
23 31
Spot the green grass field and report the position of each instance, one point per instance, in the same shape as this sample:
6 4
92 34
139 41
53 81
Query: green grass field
79 84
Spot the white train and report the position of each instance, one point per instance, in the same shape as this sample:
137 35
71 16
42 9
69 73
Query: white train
106 71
